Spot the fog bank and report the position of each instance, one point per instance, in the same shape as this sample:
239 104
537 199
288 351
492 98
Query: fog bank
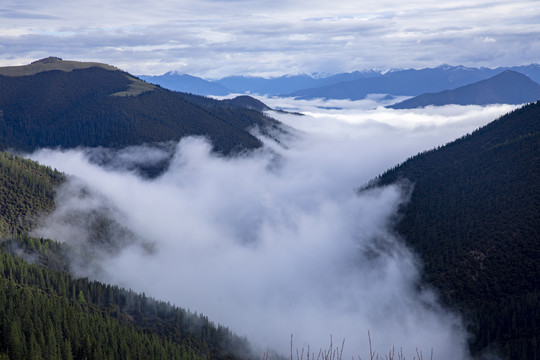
274 242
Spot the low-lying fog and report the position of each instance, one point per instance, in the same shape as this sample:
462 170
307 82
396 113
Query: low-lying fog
275 242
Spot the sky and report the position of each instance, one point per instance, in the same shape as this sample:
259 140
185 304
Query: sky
217 38
276 241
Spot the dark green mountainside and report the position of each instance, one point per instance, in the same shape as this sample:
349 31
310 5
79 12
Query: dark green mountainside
474 218
26 192
56 103
47 314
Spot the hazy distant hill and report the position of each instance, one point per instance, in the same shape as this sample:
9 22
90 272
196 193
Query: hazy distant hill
411 82
289 83
54 103
250 84
475 221
402 82
247 102
187 83
508 87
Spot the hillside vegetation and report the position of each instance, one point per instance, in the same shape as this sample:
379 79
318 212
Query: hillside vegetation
45 313
26 191
475 221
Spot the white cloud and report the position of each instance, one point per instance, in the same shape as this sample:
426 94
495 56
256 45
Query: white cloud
277 241
385 33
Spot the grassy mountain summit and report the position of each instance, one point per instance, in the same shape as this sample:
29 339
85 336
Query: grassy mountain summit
474 219
56 103
135 87
49 64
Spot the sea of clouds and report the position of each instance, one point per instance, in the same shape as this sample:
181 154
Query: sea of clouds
277 241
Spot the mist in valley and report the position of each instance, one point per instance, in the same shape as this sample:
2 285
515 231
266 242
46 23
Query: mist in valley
277 241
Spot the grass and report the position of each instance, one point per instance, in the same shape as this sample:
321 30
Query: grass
135 88
336 353
51 63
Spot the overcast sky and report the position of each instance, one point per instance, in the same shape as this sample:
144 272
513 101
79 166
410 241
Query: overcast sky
215 38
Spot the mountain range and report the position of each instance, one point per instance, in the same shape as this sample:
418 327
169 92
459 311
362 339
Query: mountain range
288 83
250 84
412 82
354 86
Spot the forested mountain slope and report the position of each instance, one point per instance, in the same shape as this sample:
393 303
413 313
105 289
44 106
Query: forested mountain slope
47 314
474 219
101 106
26 192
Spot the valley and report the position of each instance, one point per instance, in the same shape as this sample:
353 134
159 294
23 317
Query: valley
249 224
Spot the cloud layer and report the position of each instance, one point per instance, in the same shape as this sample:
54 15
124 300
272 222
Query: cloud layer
213 38
277 241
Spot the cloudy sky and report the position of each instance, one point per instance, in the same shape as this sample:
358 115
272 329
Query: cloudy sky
216 38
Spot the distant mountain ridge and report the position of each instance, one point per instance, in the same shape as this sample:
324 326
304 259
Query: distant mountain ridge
250 84
508 87
355 85
411 82
69 104
288 83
